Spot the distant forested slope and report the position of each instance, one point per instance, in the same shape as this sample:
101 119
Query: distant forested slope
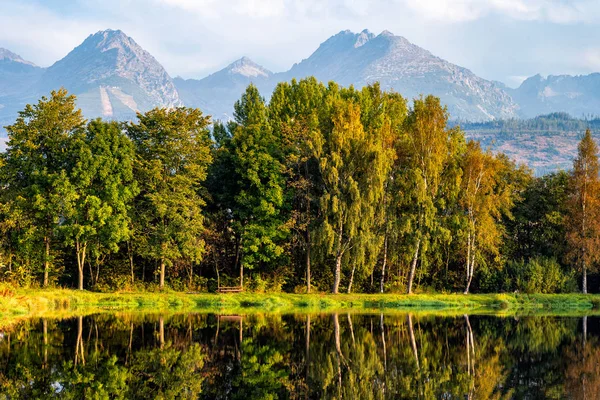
545 143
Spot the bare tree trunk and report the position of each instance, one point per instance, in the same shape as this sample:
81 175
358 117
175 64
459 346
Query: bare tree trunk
162 274
384 264
217 269
470 260
307 260
413 267
338 263
191 275
238 249
130 255
351 278
468 263
242 275
584 288
46 259
81 250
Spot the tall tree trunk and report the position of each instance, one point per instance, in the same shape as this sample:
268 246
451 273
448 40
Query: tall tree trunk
46 259
338 262
351 278
242 275
191 275
384 263
584 285
162 274
338 272
130 254
468 263
81 251
470 260
413 267
307 260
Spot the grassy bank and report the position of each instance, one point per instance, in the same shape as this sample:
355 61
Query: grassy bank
27 303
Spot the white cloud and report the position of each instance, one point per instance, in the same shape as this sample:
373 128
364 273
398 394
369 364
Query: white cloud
591 58
193 38
556 11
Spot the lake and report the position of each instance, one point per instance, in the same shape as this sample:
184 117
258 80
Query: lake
300 356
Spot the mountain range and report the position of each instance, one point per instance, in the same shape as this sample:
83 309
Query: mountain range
113 77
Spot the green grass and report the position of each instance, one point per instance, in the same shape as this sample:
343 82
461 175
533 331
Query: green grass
24 303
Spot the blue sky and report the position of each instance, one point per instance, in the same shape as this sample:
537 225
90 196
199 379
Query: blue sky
504 40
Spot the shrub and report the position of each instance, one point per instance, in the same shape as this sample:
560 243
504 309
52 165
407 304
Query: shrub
538 275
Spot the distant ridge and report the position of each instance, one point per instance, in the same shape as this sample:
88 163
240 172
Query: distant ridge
114 77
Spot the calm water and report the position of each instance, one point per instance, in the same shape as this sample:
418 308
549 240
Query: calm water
301 356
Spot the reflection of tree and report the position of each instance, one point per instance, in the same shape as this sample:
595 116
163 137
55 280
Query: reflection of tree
583 368
286 356
166 373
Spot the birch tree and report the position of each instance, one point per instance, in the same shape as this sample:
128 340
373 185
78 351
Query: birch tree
584 208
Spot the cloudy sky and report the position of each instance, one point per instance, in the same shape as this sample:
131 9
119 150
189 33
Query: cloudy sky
504 40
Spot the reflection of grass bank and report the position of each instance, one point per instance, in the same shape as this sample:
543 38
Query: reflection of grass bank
21 302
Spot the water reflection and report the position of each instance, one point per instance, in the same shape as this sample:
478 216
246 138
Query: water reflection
334 356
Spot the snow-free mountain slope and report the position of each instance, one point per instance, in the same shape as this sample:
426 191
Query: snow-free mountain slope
216 94
576 95
112 76
363 58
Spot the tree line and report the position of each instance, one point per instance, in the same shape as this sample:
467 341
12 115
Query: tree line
321 188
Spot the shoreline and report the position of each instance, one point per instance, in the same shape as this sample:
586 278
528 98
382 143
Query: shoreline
30 303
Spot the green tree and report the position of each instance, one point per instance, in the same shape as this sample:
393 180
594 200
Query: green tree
173 154
484 199
102 178
36 168
421 162
352 167
294 117
584 207
259 195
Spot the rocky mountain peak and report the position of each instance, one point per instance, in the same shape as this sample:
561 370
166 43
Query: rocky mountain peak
112 65
7 55
248 68
363 38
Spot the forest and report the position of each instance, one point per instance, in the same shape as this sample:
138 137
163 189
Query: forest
320 189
